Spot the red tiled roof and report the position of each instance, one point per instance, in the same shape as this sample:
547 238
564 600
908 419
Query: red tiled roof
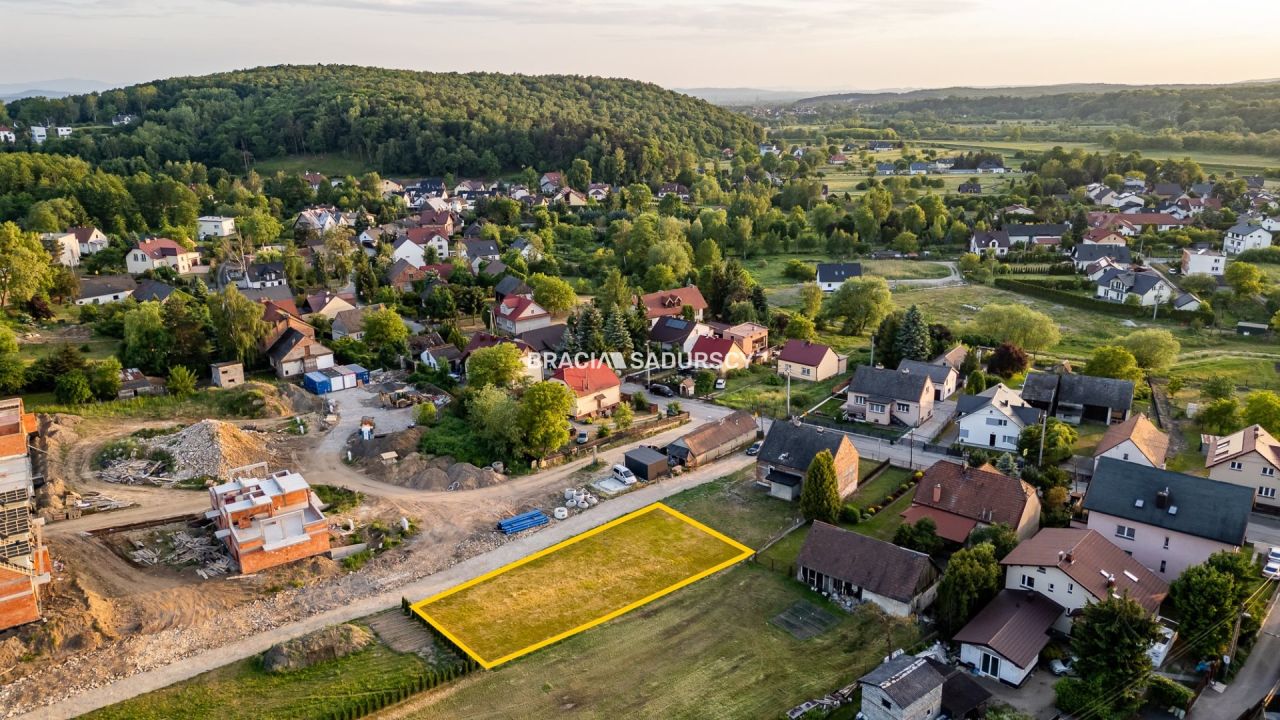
519 307
157 248
949 526
983 494
712 350
803 352
669 302
1148 439
589 378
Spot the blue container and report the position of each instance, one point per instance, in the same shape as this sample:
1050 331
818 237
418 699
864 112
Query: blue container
317 382
361 374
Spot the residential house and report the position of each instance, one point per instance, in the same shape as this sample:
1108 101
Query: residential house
890 397
837 159
1017 209
907 687
1203 260
25 566
477 252
1145 284
1103 236
91 239
9 136
788 450
599 191
831 276
161 252
674 333
102 289
64 247
133 383
268 521
753 338
551 182
328 303
295 353
227 374
215 226
595 386
676 189
1244 236
1003 641
1118 222
314 180
953 358
994 418
804 360
350 323
1072 398
996 242
845 564
519 313
886 168
672 302
714 439
529 358
264 275
944 377
960 499
918 168
1166 520
1249 458
153 291
526 249
1161 221
511 285
1186 302
1136 440
492 269
970 187
1030 234
879 145
1077 566
280 295
402 275
720 355
992 167
547 339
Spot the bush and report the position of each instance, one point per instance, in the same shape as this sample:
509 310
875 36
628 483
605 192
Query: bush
850 514
1165 693
1074 696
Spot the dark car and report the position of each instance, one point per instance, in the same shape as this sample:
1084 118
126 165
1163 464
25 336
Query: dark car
660 389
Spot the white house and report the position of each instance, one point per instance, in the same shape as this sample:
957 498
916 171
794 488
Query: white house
215 226
158 253
39 134
830 276
1249 458
1244 236
7 134
1076 566
833 560
994 418
91 239
415 253
1135 440
1149 286
1203 260
1003 641
65 247
103 289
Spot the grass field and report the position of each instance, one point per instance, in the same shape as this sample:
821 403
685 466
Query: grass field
1211 161
737 508
578 584
754 391
332 165
244 691
904 269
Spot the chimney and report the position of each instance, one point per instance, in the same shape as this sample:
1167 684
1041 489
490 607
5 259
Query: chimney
937 492
1162 499
1069 557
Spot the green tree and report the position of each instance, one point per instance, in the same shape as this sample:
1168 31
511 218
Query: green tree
494 415
237 323
104 379
800 327
13 371
1001 537
971 580
704 382
1110 640
72 389
922 536
1220 417
861 303
1007 360
1113 361
820 491
544 417
426 414
623 416
552 293
147 342
386 335
1244 279
1262 407
1152 349
579 175
911 341
1218 387
1059 442
1018 324
256 229
976 382
25 266
499 365
182 382
810 300
615 291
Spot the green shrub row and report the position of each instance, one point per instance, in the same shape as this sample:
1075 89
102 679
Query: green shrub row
1063 297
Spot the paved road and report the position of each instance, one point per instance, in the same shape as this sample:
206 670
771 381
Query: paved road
1258 677
390 597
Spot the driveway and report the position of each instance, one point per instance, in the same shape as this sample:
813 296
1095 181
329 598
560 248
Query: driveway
1035 697
943 411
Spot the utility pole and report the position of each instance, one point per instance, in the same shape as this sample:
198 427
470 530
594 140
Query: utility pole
787 414
1044 426
873 350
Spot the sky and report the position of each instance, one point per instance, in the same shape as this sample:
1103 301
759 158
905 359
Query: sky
820 45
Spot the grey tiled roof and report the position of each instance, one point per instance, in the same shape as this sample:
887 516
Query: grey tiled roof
1201 507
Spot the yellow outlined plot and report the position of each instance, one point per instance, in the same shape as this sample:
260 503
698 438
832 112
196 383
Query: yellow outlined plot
611 569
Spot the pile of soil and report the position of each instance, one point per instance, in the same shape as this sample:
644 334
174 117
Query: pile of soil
212 448
437 473
328 644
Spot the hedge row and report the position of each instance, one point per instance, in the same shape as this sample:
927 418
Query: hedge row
1063 297
353 708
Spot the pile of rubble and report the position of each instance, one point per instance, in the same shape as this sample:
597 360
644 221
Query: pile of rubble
207 449
187 549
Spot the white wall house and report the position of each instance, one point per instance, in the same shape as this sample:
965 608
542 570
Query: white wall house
65 247
994 418
1245 237
1203 260
215 226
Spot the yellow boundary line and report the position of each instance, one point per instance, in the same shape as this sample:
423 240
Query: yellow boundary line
419 607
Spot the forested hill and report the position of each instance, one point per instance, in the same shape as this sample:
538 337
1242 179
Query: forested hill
1240 108
400 122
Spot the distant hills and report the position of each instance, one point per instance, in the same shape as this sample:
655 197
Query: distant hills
57 88
744 96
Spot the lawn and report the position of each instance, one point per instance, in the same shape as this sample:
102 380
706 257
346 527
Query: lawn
1089 434
904 269
885 523
760 389
251 400
1247 163
707 652
878 489
735 506
335 165
1252 373
578 584
244 690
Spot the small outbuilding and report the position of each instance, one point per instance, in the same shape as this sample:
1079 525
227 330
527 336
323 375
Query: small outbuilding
714 440
647 463
227 374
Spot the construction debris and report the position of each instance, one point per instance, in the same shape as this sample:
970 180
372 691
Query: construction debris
181 548
206 450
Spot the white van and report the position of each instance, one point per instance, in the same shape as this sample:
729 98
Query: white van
624 475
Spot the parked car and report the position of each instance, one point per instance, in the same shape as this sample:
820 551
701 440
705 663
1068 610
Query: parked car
623 474
583 438
755 448
719 383
1272 570
1059 667
1274 555
662 390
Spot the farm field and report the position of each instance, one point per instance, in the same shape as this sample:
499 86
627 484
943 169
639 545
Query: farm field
578 584
1244 162
333 165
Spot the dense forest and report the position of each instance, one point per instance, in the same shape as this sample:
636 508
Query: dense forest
396 121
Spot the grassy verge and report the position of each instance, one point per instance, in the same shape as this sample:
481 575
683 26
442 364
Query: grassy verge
244 690
244 401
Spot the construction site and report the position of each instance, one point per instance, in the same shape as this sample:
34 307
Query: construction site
154 530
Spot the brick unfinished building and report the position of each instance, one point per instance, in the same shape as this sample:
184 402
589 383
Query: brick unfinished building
268 521
24 560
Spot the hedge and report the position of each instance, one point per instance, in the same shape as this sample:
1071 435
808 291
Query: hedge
1063 297
1164 693
1261 255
